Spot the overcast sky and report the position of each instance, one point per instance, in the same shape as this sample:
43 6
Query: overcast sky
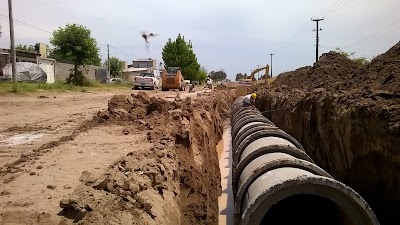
236 35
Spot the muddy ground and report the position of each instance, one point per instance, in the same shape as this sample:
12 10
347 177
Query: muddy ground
348 119
96 158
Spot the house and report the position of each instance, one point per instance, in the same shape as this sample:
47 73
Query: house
42 49
138 66
21 56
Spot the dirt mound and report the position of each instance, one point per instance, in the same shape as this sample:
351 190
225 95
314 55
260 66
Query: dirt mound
132 109
334 71
177 181
381 74
329 72
348 119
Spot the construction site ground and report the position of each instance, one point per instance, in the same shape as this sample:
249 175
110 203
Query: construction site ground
50 144
153 157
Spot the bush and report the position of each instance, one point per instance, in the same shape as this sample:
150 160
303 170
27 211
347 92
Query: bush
78 79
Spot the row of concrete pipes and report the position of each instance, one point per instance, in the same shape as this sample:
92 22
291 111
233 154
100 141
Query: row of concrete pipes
270 166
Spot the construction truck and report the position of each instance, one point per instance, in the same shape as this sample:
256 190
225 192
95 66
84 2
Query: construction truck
172 78
251 80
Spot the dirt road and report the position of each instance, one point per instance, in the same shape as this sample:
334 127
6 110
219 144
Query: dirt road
50 125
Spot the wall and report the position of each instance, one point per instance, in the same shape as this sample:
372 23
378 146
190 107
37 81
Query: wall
63 71
3 62
128 76
48 65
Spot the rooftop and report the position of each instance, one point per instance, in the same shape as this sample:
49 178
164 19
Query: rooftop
5 51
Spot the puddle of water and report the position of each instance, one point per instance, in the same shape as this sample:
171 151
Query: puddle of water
18 139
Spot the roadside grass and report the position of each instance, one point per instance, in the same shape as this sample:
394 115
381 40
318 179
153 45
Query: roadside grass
24 88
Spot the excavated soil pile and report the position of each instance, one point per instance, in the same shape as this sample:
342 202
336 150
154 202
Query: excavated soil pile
327 73
348 119
176 181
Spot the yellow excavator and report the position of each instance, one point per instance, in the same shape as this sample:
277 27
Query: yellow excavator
251 79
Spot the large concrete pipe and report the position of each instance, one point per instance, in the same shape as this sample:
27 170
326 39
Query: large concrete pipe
246 120
251 126
275 182
243 114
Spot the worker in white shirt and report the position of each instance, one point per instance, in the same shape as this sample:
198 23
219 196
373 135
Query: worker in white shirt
249 100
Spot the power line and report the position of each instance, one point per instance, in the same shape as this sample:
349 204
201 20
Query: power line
326 9
41 29
334 10
338 4
296 36
119 53
28 25
394 25
128 54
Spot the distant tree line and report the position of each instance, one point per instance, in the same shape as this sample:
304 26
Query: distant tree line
217 75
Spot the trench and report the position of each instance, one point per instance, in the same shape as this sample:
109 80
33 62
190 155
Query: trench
356 145
274 181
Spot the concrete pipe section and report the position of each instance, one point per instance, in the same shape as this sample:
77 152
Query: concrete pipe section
275 182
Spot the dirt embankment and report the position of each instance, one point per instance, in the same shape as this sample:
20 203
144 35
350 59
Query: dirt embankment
177 181
348 119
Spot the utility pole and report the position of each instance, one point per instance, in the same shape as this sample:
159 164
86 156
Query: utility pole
271 62
12 41
108 62
317 37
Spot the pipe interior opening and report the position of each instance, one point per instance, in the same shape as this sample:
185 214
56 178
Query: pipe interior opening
306 209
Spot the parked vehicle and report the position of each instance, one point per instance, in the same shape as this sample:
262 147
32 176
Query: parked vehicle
172 79
147 80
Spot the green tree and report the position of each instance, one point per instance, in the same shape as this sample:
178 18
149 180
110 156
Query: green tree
116 66
29 48
74 42
179 53
240 76
202 75
350 55
217 75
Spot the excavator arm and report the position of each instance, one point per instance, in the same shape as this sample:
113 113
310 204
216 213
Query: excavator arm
250 80
266 68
